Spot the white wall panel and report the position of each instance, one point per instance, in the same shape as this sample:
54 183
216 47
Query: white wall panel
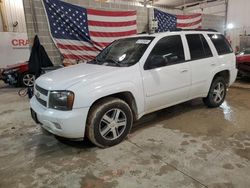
14 12
218 10
14 48
213 22
238 15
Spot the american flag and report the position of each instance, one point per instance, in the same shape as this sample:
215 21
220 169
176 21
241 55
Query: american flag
80 33
168 22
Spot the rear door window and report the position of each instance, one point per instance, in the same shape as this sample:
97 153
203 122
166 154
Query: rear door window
221 44
198 46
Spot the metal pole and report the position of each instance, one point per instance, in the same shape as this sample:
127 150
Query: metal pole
149 20
4 23
226 15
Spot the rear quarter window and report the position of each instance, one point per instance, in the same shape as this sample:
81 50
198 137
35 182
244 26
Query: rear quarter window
221 44
198 46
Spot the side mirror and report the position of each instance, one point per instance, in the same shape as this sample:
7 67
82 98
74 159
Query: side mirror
155 62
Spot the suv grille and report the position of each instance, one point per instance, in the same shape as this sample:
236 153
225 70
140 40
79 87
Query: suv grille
42 102
41 90
41 95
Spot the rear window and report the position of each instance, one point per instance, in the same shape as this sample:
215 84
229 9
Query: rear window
198 46
221 44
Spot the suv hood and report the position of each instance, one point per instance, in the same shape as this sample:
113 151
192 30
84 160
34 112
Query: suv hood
66 77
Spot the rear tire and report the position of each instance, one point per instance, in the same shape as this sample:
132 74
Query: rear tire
109 122
217 93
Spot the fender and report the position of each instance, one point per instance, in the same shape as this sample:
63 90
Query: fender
93 93
211 77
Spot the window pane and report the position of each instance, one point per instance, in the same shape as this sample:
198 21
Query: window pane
221 44
170 48
198 46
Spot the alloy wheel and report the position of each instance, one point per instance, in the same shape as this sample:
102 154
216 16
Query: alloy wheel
113 124
28 80
219 92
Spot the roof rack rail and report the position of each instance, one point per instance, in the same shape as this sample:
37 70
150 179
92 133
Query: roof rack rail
179 29
143 32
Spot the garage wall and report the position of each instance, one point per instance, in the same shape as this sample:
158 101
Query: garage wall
213 22
213 8
238 13
13 12
1 24
37 24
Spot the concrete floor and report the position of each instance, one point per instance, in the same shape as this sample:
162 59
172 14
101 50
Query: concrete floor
187 145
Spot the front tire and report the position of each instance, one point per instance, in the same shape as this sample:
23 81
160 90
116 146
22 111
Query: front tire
109 122
217 93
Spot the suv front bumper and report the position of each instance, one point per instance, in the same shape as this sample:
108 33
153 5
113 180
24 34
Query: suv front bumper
68 124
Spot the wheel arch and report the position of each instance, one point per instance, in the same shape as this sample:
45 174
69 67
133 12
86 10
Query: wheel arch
126 96
225 74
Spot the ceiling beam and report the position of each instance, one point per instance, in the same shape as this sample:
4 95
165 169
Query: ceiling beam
202 5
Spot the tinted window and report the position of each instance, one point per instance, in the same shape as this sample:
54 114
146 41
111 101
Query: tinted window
170 48
198 46
245 52
221 44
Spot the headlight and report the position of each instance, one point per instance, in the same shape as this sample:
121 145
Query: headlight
61 100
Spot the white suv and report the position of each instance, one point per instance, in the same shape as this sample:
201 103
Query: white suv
130 78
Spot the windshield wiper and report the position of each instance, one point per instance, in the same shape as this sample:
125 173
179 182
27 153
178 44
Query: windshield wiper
95 61
114 62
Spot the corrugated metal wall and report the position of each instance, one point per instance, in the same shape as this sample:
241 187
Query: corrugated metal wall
13 14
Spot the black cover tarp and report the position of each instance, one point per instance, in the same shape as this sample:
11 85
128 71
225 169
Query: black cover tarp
38 58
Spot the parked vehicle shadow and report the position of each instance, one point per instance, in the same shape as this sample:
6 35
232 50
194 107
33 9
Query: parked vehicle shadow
80 144
145 122
244 79
167 113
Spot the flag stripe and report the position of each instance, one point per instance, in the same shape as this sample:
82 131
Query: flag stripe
112 34
72 42
78 57
112 24
103 40
193 27
112 19
111 13
79 52
188 24
187 16
112 29
76 47
189 20
102 44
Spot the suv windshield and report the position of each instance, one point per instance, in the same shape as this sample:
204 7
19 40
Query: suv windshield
123 52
